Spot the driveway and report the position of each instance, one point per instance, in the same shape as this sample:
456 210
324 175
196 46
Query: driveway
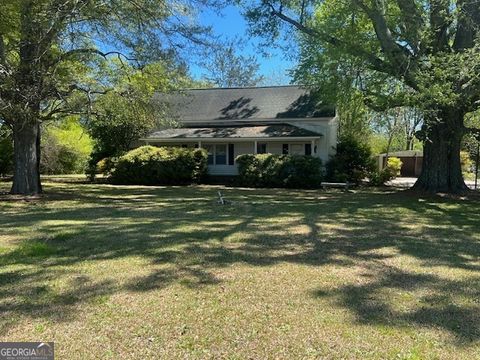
406 182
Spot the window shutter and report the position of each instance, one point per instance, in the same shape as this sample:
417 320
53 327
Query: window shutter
231 154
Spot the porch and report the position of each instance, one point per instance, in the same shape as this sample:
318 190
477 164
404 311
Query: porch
224 145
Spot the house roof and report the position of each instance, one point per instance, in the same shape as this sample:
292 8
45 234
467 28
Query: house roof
234 132
255 103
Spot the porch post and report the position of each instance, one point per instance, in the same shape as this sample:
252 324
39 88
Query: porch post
199 144
255 147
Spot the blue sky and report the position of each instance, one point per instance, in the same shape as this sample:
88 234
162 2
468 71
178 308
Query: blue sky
231 24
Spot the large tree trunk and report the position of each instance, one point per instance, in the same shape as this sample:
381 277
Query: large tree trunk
442 170
26 176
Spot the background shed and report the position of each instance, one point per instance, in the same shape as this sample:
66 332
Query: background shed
412 161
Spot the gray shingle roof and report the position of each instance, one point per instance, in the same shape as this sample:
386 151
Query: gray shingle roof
276 102
235 132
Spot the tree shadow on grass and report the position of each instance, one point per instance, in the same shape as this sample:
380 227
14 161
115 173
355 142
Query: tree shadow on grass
186 237
425 300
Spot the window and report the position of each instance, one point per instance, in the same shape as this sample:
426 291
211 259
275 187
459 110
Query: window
221 154
210 149
261 148
308 149
285 149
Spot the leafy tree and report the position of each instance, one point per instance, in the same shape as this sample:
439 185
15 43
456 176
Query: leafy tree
227 68
49 49
411 120
6 150
116 122
471 142
65 147
398 125
338 80
423 54
354 117
378 143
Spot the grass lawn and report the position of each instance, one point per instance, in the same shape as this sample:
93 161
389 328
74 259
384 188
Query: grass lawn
166 273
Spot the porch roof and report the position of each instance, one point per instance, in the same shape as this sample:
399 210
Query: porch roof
235 132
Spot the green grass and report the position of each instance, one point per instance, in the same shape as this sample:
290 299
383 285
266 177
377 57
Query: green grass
166 272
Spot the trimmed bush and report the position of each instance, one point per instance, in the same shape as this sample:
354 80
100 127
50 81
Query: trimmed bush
290 171
352 162
105 166
150 165
394 165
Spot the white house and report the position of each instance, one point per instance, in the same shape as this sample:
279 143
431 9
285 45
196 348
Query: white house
229 122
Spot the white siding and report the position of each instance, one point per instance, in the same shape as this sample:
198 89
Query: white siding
328 128
244 148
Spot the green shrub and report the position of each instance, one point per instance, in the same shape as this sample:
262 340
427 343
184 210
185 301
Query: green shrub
389 172
106 165
58 158
149 165
394 165
352 162
290 171
92 168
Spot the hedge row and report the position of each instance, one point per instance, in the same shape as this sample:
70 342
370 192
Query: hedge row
149 165
290 171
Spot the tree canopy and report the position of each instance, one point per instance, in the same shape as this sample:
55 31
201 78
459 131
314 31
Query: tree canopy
52 51
417 53
229 68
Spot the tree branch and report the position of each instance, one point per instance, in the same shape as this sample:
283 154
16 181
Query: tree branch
468 24
440 22
413 20
93 51
375 62
398 55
